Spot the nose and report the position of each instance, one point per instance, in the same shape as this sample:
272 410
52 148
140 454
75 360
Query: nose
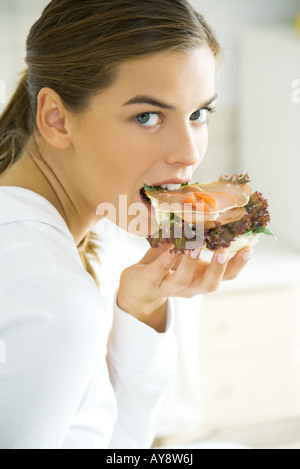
188 146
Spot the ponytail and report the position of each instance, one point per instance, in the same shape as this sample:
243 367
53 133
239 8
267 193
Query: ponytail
87 249
16 125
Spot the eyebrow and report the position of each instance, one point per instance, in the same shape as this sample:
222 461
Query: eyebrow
141 99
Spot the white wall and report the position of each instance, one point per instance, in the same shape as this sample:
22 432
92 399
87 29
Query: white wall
16 18
228 19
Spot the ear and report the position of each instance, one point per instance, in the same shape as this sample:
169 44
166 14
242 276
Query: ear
53 119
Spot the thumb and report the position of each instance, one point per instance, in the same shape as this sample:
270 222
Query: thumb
154 253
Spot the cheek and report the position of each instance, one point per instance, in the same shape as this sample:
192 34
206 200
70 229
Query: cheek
201 141
123 147
121 154
204 141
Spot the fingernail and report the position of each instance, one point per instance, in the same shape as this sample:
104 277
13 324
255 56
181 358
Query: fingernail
222 258
195 253
247 255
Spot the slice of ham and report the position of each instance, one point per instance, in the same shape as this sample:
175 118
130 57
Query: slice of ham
241 192
228 196
230 216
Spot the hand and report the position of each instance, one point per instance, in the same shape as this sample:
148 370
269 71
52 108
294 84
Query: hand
145 286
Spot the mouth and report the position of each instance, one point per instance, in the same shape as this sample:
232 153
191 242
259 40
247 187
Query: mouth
170 186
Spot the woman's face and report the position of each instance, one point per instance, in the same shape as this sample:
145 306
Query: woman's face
149 127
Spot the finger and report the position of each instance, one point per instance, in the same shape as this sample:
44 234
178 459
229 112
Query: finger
177 263
153 253
160 267
184 274
214 274
237 263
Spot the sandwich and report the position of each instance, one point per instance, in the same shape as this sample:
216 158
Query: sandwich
221 214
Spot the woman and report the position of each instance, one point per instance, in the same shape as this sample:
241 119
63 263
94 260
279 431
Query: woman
114 96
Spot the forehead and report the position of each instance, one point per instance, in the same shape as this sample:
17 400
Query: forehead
170 75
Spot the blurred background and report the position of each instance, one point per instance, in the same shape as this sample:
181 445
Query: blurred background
239 348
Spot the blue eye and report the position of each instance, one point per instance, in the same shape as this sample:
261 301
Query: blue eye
200 116
148 119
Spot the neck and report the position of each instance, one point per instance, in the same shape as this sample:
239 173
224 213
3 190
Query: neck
34 172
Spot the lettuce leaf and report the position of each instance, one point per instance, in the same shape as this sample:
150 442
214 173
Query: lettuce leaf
266 231
150 188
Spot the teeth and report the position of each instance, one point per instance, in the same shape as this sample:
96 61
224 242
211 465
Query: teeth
171 187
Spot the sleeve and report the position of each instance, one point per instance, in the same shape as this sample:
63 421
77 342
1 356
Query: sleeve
142 367
51 328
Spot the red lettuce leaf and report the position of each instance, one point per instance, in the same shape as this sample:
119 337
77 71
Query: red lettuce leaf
220 237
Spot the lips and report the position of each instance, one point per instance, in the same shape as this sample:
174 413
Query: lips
170 185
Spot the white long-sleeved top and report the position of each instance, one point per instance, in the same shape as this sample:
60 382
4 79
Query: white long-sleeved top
68 381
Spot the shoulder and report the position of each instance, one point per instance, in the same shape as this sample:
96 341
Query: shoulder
58 308
60 292
29 247
43 280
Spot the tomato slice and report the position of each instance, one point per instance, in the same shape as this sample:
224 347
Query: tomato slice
207 198
192 200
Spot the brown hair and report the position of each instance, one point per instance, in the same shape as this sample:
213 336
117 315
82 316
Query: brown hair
75 48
